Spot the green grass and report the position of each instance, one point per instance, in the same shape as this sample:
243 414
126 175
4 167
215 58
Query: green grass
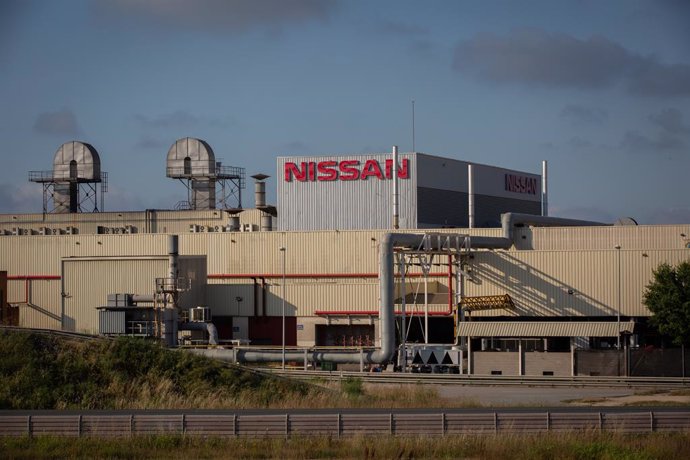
575 446
40 371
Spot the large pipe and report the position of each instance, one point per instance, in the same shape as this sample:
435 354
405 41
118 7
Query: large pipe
173 256
387 288
544 194
470 196
259 194
396 213
210 328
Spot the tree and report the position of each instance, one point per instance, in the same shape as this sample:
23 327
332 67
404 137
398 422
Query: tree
668 298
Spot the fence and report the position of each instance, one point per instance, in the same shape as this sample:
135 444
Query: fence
339 424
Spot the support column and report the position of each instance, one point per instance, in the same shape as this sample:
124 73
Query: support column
469 355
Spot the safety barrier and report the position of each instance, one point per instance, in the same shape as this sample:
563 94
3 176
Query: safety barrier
338 424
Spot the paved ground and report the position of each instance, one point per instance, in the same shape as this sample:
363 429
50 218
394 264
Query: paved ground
527 396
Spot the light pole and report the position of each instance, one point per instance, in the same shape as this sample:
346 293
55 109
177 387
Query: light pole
282 249
618 313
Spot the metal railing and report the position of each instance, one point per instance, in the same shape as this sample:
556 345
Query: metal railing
337 424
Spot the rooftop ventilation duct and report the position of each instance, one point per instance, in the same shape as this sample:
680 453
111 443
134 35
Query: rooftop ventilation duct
74 179
193 160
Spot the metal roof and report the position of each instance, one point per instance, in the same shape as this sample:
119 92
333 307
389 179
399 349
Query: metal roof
543 328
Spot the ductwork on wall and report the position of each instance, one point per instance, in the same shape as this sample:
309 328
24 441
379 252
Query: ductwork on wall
388 244
209 328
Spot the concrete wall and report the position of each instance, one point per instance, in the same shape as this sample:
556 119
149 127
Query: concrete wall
600 362
536 363
484 362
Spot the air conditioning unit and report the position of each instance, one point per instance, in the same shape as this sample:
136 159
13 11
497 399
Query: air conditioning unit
246 228
193 228
70 231
202 228
218 228
130 229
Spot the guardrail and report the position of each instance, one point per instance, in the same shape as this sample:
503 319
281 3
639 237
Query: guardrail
337 424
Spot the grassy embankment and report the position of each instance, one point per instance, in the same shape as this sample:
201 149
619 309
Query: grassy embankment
44 372
554 446
40 371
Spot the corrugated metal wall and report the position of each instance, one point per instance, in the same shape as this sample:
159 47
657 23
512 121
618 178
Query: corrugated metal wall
88 282
538 280
345 205
150 221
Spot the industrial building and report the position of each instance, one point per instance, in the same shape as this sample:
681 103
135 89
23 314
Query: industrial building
526 295
352 192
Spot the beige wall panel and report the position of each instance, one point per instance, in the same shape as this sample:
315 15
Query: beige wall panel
221 297
88 282
484 362
304 298
536 363
43 308
628 237
539 281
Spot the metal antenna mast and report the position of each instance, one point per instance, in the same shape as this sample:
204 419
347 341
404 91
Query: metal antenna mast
413 125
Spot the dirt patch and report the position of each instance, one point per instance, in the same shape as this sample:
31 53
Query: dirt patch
662 398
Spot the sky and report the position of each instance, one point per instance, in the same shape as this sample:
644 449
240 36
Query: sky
599 89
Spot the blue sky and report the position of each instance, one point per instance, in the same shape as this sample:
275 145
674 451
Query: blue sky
599 89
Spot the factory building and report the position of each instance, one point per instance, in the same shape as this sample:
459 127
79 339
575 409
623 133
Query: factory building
535 296
355 192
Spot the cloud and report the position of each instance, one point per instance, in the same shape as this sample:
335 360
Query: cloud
579 143
150 143
296 147
403 30
670 216
60 123
230 16
120 199
670 137
538 58
591 213
671 121
179 119
636 142
21 199
581 115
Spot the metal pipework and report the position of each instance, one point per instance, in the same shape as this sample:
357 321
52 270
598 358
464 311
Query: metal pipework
210 328
396 210
544 194
173 257
387 288
470 195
